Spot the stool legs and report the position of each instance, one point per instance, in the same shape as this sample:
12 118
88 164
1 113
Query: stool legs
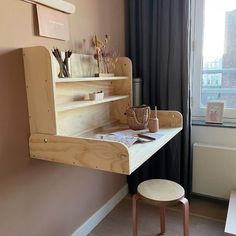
162 220
185 205
135 199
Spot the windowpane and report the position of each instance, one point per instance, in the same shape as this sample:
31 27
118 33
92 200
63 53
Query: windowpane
219 53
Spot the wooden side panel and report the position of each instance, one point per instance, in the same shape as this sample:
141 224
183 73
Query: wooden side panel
169 119
123 67
40 91
95 154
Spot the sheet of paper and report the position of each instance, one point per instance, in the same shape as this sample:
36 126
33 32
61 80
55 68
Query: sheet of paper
126 132
134 133
127 140
129 136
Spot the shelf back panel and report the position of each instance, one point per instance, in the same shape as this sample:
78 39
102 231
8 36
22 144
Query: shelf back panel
123 67
77 121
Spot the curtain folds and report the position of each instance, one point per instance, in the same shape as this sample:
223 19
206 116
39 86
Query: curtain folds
158 38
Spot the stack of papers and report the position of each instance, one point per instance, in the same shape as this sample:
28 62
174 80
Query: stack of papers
127 140
129 137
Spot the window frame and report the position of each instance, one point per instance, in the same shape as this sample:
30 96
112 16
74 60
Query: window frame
197 27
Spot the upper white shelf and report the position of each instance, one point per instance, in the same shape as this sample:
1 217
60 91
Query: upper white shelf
60 5
86 79
86 103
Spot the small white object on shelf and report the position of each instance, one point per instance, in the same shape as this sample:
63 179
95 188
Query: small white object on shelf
96 96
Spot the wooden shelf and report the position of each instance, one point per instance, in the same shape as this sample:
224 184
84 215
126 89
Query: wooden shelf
87 79
54 132
86 103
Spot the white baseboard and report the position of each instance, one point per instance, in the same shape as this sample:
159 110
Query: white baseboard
97 217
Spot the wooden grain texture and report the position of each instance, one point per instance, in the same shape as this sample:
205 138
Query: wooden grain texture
79 91
47 95
75 122
68 149
86 103
74 95
89 79
123 67
169 119
111 125
140 152
160 192
40 90
90 153
44 91
230 226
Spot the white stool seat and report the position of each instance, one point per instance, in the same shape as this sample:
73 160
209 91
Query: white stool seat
161 191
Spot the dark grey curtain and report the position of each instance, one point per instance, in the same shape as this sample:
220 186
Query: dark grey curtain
158 45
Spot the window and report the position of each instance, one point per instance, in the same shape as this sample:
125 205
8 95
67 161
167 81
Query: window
214 55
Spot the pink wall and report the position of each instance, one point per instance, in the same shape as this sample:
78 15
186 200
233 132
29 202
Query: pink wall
37 197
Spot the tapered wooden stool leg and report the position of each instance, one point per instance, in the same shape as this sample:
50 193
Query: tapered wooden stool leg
162 221
135 214
185 206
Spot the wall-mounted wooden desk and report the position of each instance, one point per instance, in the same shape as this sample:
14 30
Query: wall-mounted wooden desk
103 155
62 124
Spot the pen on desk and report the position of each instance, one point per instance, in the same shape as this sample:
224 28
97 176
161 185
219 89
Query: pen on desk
146 137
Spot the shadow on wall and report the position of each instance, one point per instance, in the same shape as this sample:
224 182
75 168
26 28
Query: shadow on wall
14 124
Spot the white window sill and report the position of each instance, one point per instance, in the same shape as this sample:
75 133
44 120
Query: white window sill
224 125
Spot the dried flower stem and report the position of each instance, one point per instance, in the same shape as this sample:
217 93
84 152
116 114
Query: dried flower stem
97 52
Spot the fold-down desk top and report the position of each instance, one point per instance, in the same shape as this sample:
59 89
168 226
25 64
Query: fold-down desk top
104 155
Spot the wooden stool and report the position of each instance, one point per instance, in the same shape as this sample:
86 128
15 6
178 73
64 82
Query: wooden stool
162 193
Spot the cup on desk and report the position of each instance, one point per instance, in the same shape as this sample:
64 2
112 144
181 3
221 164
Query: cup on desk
153 125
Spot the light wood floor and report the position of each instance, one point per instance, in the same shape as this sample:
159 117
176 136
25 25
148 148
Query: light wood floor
207 218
